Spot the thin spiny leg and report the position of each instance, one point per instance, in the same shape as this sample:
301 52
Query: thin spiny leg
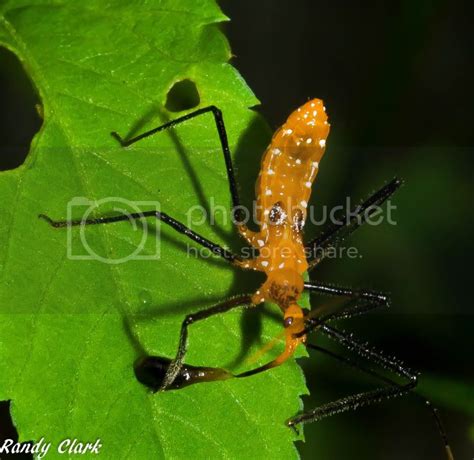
350 362
165 218
350 403
366 300
360 399
177 363
337 231
221 130
327 289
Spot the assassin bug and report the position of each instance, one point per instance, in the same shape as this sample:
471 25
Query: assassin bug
289 167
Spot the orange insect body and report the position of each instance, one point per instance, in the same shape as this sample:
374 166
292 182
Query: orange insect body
289 167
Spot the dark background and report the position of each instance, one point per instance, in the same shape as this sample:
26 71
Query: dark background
396 78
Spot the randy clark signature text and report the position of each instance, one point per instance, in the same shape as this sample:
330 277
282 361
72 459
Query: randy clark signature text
41 448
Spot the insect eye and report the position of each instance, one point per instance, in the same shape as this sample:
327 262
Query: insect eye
277 214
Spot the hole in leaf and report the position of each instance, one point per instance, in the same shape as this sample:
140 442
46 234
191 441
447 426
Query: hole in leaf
8 431
19 119
182 96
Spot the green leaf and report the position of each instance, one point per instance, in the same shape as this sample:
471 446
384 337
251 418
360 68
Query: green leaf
70 330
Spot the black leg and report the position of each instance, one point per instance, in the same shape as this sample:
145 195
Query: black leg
178 226
347 224
366 300
327 289
219 120
360 399
350 403
175 367
350 362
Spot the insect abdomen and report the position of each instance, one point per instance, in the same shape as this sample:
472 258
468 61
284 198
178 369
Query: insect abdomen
291 162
